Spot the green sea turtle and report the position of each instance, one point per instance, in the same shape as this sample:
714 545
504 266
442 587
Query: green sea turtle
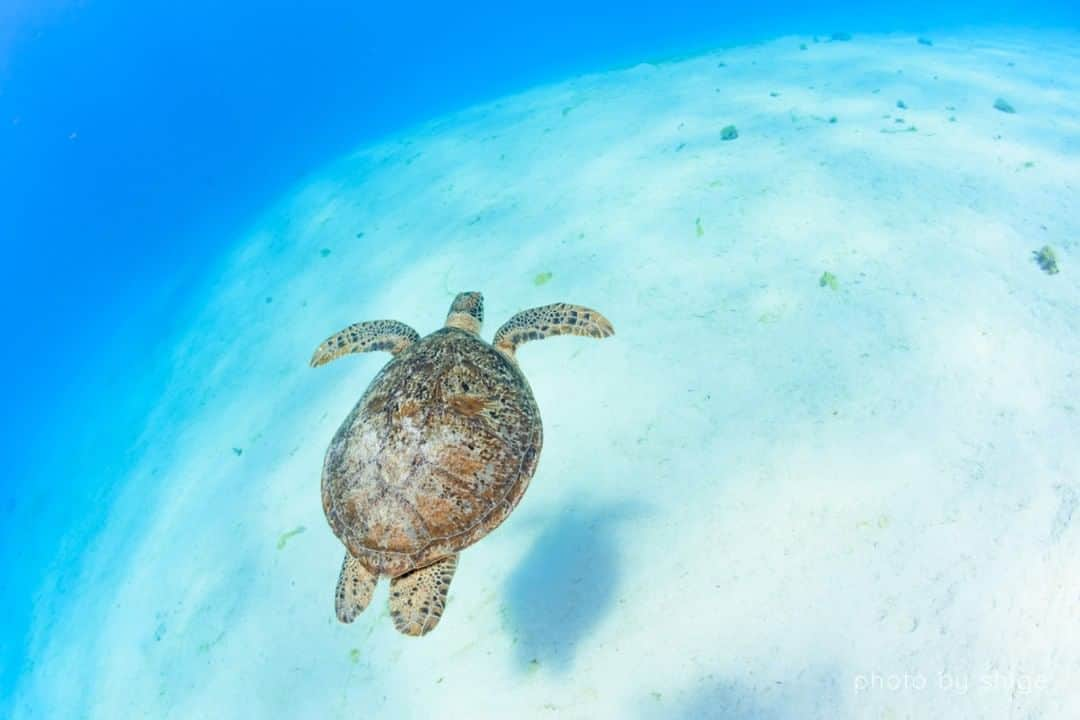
437 452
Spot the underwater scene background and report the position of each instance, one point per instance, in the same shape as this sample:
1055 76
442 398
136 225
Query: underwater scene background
827 467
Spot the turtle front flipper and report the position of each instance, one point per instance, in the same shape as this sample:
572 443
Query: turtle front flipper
418 597
354 589
558 319
365 337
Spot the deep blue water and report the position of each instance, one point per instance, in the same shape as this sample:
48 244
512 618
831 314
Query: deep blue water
136 138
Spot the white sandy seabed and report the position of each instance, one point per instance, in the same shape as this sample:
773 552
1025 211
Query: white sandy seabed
769 496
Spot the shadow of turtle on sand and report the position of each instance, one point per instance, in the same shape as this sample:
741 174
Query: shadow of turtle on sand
564 586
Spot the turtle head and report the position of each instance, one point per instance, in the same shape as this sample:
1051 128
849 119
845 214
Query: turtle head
467 312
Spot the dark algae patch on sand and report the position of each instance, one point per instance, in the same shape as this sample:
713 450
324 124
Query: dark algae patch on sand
1003 105
729 133
1046 259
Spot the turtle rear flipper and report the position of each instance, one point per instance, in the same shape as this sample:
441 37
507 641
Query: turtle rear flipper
547 320
354 589
365 337
418 597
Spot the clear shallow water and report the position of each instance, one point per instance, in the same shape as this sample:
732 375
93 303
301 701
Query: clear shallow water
829 486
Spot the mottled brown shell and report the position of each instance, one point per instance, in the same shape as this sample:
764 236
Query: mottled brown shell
434 456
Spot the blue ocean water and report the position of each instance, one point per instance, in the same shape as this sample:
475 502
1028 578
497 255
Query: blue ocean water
136 139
